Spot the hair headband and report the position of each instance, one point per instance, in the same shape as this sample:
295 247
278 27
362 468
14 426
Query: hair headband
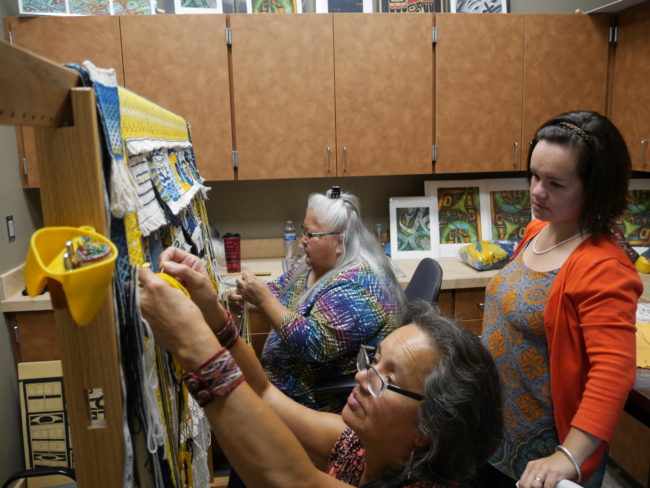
583 135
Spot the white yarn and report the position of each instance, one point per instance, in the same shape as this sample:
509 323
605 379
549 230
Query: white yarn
124 192
152 416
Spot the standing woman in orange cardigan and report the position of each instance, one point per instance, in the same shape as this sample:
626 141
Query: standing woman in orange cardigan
560 318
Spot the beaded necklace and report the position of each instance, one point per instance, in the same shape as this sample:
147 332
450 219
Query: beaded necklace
554 246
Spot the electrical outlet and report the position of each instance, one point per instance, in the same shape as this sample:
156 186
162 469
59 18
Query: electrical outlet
11 229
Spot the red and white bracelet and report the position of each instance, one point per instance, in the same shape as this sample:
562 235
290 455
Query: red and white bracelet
229 333
217 376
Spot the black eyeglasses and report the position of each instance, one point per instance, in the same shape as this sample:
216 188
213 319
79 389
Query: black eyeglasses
309 235
376 383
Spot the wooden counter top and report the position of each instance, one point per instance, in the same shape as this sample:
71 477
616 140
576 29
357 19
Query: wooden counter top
456 274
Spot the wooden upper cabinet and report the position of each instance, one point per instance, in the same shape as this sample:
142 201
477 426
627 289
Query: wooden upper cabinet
479 85
181 63
62 40
631 84
283 84
384 94
565 63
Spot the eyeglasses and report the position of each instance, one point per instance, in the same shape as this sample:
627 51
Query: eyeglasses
376 383
309 235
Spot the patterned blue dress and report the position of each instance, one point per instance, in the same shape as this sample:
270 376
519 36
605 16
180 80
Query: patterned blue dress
513 332
320 338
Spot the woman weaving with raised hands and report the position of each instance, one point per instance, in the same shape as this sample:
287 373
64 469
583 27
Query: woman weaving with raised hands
344 293
425 411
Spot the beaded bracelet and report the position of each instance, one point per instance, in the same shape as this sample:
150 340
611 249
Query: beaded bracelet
215 377
568 454
229 333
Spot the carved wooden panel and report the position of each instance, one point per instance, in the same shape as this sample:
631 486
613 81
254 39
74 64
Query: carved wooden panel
181 63
566 61
283 82
384 80
631 97
479 85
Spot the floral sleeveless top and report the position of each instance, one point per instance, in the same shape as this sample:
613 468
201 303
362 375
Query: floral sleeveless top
513 332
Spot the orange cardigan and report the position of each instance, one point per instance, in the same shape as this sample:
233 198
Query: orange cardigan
590 324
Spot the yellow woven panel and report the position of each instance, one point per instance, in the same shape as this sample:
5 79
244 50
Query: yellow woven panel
141 118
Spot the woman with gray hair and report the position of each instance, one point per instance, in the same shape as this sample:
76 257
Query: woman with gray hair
425 411
342 294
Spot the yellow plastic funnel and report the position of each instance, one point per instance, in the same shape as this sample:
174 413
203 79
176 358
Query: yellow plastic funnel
85 287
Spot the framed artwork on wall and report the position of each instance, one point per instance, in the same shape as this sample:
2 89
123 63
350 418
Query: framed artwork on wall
194 6
510 209
86 7
332 6
412 224
479 6
462 211
635 221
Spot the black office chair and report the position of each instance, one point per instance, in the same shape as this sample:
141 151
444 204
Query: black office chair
38 472
425 282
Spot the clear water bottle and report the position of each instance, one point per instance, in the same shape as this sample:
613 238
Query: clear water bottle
290 241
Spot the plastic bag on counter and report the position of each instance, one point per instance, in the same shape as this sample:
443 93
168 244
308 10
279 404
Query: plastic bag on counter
485 255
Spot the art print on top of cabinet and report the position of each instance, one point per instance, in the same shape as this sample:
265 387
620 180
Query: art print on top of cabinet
411 6
479 6
86 7
510 208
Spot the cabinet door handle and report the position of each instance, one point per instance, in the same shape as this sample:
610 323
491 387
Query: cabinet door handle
481 305
515 163
644 145
329 159
16 334
345 159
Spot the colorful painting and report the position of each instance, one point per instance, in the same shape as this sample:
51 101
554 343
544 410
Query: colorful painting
90 7
86 7
510 213
459 211
55 7
413 229
635 221
412 220
133 7
411 6
462 214
479 6
274 6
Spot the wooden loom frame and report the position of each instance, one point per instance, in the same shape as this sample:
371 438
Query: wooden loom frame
37 92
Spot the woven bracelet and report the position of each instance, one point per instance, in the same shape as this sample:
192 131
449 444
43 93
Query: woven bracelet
568 454
229 333
215 377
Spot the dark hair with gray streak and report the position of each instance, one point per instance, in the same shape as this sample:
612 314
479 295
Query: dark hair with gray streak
461 412
602 162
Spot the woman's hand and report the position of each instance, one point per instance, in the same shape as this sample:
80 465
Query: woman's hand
189 270
236 303
547 472
253 290
177 323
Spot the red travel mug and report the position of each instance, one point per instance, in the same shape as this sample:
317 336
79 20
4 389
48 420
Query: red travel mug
231 243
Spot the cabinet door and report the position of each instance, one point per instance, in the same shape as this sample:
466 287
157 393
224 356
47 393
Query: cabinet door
283 84
384 94
479 85
181 63
63 40
631 96
469 304
565 60
33 336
